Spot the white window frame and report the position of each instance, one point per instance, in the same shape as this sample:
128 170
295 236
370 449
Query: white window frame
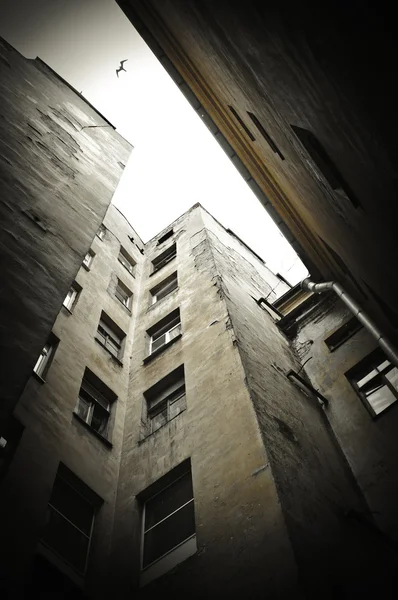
88 259
85 396
112 344
71 297
43 359
170 286
170 334
125 261
379 367
165 257
101 232
126 301
163 404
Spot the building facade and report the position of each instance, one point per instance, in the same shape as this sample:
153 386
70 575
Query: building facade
302 102
174 444
60 163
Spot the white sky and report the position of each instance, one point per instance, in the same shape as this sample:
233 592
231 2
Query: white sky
175 162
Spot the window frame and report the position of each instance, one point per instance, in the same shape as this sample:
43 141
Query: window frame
92 389
154 292
101 232
46 357
343 333
76 289
165 332
113 340
91 255
363 369
127 291
164 258
127 261
165 403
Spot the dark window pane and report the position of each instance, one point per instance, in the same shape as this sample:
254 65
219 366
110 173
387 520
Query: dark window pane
83 407
99 419
168 534
159 419
72 505
66 540
167 501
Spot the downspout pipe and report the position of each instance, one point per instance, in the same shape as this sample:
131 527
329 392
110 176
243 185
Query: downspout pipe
384 343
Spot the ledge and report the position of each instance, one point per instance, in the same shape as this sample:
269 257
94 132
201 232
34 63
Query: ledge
63 307
152 306
85 267
148 359
144 439
38 377
117 361
103 439
162 267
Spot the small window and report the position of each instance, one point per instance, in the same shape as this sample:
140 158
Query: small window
88 259
375 380
166 399
70 519
165 237
46 357
94 403
265 135
169 520
110 336
164 288
164 258
72 296
343 334
126 260
124 295
165 331
101 232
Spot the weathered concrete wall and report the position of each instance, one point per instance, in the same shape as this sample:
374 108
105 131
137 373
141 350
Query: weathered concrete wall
325 68
53 434
243 544
370 445
314 484
60 162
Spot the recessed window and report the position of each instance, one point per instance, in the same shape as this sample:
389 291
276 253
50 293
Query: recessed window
165 237
164 258
169 521
265 135
110 336
70 519
123 294
343 334
88 259
324 163
375 380
127 261
165 331
94 403
166 399
72 296
101 232
164 288
242 123
45 359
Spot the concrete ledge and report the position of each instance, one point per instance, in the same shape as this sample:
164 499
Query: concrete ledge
161 349
103 439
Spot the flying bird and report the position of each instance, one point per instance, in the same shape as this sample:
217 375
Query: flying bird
121 68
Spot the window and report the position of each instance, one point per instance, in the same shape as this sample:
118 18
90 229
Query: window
242 123
110 336
94 403
164 258
265 135
126 260
165 237
123 294
375 379
70 519
165 331
164 288
45 359
11 434
166 399
168 520
343 334
88 259
101 232
324 163
72 296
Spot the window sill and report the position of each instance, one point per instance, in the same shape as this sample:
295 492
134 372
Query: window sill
128 310
144 439
85 267
148 359
38 377
117 360
68 310
103 439
128 270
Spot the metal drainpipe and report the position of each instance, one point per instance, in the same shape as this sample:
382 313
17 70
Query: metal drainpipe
356 309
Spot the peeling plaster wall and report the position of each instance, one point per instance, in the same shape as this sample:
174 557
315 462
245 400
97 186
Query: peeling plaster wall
60 162
53 434
243 544
314 484
370 445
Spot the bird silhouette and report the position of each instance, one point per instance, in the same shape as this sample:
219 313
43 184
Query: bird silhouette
121 68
